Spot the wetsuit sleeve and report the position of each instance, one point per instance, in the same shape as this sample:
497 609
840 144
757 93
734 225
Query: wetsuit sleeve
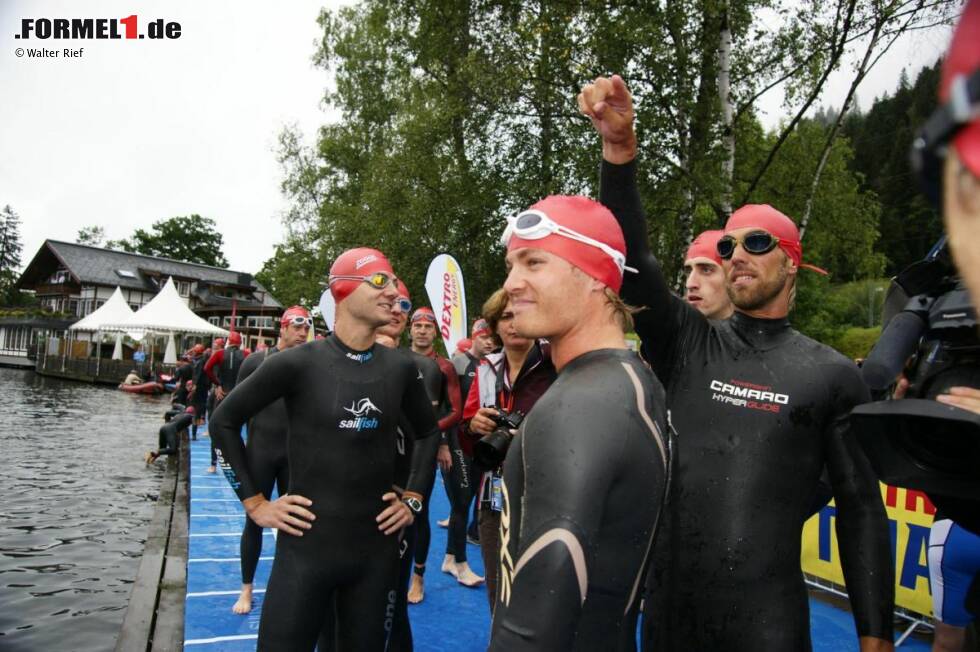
250 364
270 381
664 321
416 405
862 526
452 394
570 460
215 360
423 467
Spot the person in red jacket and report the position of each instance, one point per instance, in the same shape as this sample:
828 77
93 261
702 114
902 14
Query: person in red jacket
525 372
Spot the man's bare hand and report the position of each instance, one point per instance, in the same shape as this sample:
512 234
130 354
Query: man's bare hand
967 398
219 393
395 516
482 422
444 458
608 103
287 513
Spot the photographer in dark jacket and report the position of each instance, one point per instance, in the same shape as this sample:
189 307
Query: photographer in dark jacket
513 379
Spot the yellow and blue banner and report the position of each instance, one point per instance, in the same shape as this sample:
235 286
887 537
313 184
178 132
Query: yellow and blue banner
910 516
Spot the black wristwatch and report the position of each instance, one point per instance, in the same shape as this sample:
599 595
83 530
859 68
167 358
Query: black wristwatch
413 504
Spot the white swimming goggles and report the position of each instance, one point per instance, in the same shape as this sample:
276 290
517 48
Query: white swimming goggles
534 225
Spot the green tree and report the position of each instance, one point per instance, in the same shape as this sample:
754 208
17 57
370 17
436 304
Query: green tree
91 235
190 238
10 251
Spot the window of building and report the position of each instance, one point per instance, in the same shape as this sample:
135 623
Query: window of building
61 276
214 321
264 322
125 273
184 288
227 321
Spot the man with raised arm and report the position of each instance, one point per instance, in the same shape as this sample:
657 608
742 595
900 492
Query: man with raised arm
344 397
759 410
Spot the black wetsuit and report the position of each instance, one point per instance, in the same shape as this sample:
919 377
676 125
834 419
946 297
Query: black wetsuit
437 389
232 359
265 452
759 411
182 376
201 392
169 436
582 491
343 408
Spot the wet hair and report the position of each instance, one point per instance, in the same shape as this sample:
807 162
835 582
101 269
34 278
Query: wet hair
622 312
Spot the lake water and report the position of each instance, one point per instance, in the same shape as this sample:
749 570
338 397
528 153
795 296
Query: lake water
75 500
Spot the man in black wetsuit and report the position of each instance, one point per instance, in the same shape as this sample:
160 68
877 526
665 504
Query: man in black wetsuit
451 461
584 479
168 438
759 411
265 448
344 397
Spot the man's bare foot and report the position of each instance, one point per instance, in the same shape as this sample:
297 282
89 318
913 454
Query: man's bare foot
443 523
417 590
150 457
466 576
449 565
211 469
244 604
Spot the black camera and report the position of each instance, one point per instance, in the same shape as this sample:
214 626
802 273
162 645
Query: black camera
491 450
930 333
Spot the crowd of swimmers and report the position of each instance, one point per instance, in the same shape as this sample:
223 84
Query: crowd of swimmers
662 491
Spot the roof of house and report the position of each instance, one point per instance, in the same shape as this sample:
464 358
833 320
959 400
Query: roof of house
96 266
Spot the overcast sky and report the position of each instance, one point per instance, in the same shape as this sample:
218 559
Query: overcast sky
138 130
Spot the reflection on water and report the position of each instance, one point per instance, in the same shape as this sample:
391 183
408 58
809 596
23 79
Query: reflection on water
75 499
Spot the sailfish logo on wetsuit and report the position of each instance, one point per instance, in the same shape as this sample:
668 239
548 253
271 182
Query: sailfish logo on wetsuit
361 421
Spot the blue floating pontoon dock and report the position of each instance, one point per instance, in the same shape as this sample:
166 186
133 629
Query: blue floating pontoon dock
451 618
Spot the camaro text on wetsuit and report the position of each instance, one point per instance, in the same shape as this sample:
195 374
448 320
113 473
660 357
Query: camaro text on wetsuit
748 395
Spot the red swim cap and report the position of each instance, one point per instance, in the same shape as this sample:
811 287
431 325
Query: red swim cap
480 327
424 314
586 217
293 311
218 343
234 339
767 218
705 246
359 262
403 290
962 59
198 349
464 345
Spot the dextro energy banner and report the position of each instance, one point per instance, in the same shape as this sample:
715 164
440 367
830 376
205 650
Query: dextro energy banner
909 519
444 285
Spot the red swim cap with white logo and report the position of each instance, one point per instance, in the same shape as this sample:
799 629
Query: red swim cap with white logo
359 262
767 218
293 311
586 217
705 246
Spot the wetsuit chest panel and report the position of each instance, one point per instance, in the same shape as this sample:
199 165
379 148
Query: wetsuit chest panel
349 414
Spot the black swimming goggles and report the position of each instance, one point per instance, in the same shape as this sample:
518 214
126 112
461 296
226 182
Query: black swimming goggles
931 141
755 242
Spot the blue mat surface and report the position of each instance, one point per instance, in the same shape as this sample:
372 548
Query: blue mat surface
451 618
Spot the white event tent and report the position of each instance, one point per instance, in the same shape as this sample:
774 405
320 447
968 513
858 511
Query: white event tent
113 311
165 313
